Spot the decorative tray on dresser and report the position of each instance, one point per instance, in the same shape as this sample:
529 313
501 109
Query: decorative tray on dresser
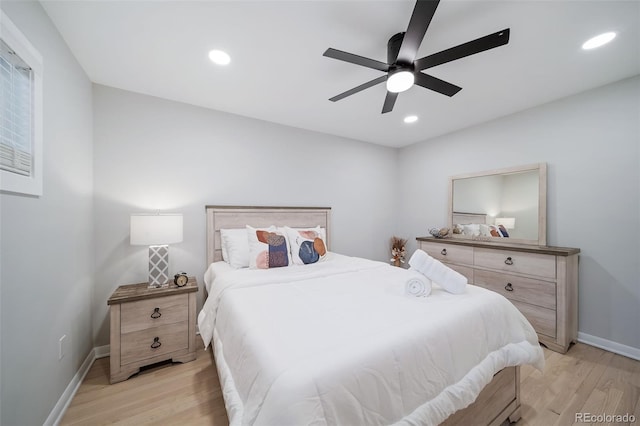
541 281
150 325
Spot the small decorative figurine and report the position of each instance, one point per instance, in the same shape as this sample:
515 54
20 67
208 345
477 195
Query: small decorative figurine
439 233
397 250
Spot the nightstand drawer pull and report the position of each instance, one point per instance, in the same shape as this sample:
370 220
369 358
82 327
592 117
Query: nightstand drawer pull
509 261
443 252
156 343
508 287
156 313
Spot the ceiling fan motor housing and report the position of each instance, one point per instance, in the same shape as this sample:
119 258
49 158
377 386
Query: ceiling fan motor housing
393 47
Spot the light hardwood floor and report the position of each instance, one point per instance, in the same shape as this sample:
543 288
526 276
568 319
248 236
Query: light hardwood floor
585 380
167 394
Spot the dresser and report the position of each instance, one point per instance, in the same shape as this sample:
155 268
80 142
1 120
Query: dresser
149 325
541 281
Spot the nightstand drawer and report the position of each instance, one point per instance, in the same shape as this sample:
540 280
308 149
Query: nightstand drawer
144 314
516 262
155 341
448 252
543 320
513 287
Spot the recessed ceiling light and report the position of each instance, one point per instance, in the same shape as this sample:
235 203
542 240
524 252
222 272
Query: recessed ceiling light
598 40
219 57
411 119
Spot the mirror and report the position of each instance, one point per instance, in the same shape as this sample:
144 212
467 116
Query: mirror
502 206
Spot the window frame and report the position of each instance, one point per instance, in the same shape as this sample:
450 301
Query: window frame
13 182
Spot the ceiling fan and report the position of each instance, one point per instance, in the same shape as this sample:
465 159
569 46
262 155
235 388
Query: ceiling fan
402 68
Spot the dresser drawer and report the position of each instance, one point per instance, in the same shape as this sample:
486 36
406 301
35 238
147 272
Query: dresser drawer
142 344
467 271
540 265
543 320
513 287
448 252
143 314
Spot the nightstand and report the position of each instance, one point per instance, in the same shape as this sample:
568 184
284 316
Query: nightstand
149 325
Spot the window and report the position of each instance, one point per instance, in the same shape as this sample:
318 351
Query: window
20 112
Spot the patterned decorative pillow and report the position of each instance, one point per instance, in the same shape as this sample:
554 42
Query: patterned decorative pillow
308 245
268 248
503 231
493 230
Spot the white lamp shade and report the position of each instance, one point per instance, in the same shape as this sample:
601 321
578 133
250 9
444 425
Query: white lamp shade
155 229
507 222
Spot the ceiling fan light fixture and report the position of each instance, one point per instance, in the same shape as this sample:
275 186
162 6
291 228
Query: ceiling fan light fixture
400 81
403 68
219 57
598 40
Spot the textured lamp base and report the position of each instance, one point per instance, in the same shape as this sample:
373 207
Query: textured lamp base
158 266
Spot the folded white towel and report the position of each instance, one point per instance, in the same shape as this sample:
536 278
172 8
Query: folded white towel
417 284
452 281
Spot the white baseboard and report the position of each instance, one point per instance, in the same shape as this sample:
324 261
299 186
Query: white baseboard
65 399
608 345
102 351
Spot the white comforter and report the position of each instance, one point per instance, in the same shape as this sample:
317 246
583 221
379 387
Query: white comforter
339 342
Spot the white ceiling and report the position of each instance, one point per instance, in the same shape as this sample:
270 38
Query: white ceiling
278 73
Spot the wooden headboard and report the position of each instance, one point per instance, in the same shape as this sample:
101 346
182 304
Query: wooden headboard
233 217
466 218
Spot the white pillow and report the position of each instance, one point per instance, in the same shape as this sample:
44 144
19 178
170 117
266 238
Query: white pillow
484 230
308 245
472 229
268 248
235 247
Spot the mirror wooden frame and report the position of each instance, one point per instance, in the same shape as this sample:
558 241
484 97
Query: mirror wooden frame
541 168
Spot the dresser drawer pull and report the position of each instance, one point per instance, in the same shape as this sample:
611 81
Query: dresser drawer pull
156 313
443 252
156 343
508 261
508 287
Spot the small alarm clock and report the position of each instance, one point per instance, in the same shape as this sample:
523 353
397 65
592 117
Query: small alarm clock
180 279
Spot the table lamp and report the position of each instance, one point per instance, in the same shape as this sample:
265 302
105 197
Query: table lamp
156 231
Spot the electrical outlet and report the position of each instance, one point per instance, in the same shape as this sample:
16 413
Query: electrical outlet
61 347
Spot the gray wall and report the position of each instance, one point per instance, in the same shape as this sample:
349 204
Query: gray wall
590 144
153 154
46 243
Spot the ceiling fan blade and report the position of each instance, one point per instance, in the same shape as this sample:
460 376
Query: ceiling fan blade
466 49
420 20
435 84
389 102
359 88
355 59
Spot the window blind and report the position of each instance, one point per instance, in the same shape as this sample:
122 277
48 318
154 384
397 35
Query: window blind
16 113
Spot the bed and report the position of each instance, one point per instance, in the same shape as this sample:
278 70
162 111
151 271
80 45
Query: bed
338 341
